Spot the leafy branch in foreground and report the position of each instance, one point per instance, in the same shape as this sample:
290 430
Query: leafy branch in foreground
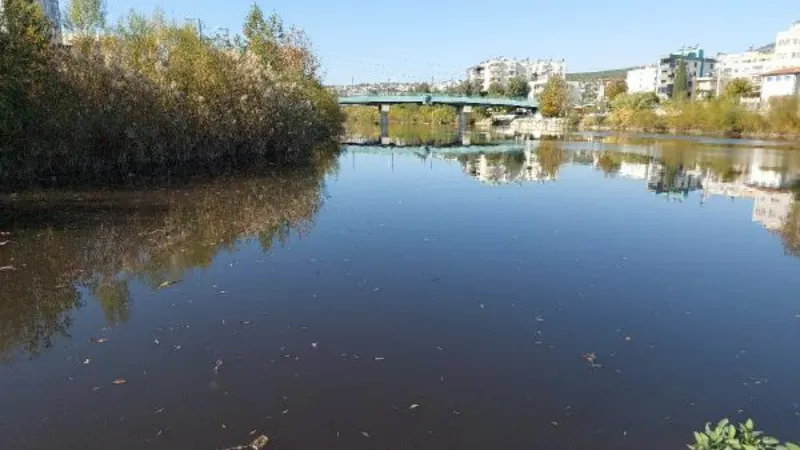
727 436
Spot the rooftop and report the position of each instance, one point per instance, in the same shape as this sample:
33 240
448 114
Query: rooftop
786 71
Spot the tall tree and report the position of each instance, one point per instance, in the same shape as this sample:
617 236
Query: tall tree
680 88
261 36
497 90
553 98
738 88
85 16
518 87
614 88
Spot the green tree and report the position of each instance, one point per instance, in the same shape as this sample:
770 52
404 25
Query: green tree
422 88
518 87
497 90
553 98
85 16
261 36
615 88
680 88
738 88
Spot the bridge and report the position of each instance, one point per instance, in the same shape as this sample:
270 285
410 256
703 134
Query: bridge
464 105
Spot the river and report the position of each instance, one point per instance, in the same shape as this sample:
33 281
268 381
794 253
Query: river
594 292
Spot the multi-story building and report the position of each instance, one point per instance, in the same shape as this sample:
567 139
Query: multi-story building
780 83
500 70
787 47
497 70
696 66
748 65
642 79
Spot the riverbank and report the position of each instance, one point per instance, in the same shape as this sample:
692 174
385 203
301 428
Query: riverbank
721 117
152 97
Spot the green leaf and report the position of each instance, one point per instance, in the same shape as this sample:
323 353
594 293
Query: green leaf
723 423
769 440
749 424
749 447
791 446
731 432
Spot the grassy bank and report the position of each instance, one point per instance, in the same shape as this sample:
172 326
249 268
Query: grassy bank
150 96
718 116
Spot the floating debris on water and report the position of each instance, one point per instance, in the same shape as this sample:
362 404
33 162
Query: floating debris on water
413 407
100 340
166 284
119 381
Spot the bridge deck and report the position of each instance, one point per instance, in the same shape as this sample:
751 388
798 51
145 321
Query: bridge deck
435 99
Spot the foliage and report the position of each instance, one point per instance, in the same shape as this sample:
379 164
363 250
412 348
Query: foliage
406 114
726 436
783 114
553 98
422 88
738 88
615 88
518 87
496 90
153 96
466 88
85 16
680 87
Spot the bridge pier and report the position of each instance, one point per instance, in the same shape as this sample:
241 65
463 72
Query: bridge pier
463 119
384 121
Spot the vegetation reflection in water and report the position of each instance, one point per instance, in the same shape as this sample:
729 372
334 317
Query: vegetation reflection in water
60 244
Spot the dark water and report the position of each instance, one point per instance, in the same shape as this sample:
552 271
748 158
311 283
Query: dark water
412 299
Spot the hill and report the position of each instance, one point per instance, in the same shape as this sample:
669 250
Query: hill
614 74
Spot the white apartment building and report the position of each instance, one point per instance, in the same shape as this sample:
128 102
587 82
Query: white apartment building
780 83
643 79
500 70
748 65
787 47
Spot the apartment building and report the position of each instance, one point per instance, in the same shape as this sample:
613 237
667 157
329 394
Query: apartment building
500 70
643 79
780 83
787 47
696 66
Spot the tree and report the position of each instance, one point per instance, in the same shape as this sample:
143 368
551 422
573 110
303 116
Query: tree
680 86
261 37
738 88
553 98
518 87
85 16
614 88
497 90
422 88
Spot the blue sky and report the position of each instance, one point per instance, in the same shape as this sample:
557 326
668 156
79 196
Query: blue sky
409 40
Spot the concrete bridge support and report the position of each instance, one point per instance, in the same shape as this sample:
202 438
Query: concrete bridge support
463 119
384 121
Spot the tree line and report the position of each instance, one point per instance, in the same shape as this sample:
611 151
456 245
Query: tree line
148 95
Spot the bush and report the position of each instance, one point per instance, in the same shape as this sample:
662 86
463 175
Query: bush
153 96
726 436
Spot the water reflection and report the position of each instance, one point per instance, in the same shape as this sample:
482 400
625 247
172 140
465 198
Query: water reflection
671 169
61 245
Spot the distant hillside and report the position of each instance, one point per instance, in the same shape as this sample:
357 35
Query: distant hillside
615 74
